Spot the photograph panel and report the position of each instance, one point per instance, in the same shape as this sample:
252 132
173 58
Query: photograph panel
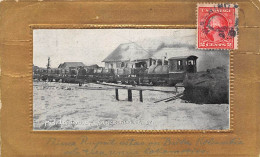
128 79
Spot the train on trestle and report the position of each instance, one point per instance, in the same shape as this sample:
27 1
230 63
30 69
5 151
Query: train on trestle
158 74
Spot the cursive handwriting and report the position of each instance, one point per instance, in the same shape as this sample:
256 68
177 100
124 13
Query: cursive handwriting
87 146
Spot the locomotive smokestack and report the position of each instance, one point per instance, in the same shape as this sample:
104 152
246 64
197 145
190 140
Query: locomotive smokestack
163 59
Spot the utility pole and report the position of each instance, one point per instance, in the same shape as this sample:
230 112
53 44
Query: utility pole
49 63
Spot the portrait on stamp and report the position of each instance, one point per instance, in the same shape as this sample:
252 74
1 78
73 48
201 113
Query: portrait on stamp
217 26
128 79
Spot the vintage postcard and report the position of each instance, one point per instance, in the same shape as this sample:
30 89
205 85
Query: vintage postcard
123 79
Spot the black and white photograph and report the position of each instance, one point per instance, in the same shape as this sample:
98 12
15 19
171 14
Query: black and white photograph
128 79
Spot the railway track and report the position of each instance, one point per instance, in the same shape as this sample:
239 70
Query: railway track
170 98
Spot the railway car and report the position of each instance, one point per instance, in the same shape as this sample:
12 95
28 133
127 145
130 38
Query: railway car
98 74
128 75
167 73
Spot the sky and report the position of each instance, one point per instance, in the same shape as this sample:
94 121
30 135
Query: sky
91 46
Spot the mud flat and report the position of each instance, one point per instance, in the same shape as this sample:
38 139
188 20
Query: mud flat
62 106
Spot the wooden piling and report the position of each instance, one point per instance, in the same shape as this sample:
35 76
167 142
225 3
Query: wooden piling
116 90
141 95
129 95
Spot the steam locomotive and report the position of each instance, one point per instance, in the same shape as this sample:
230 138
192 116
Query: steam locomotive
167 73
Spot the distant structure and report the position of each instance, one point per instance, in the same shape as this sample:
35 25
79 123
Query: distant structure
70 65
93 66
48 64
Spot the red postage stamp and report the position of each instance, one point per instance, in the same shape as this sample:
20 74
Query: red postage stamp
217 26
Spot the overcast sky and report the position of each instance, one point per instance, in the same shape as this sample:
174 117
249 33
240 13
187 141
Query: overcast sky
91 46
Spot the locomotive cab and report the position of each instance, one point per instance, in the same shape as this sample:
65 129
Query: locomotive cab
183 64
179 66
191 64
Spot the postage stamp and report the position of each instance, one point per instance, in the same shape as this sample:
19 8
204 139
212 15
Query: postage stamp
217 26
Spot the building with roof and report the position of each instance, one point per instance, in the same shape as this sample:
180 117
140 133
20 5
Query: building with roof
69 65
133 55
128 55
92 66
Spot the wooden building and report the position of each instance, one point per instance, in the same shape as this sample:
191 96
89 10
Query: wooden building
70 67
128 56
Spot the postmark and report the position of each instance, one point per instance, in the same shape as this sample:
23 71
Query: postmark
217 26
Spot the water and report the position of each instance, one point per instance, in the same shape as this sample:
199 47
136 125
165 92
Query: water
61 106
